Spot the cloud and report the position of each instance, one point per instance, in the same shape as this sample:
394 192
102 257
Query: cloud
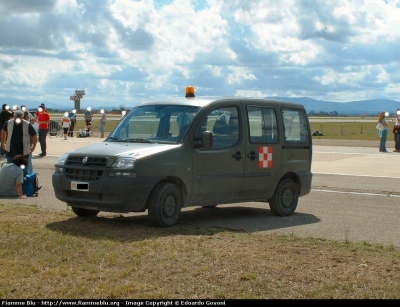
125 52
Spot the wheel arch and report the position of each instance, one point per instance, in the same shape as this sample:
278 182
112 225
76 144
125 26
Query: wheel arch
293 176
290 175
175 180
165 204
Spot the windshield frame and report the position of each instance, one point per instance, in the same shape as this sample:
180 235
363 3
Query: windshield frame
158 123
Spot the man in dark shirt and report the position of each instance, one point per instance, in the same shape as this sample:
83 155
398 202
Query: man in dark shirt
72 116
88 119
5 115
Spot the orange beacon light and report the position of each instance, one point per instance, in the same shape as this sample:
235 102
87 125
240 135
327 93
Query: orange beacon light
190 91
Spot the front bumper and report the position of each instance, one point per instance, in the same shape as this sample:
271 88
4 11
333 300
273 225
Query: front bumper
110 194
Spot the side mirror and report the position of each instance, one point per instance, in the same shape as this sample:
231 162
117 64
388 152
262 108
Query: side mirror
207 141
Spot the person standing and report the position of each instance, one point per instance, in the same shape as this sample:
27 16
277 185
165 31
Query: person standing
18 137
396 132
12 177
29 118
27 115
103 121
35 125
66 123
289 124
88 119
41 106
43 118
123 113
72 117
5 115
383 132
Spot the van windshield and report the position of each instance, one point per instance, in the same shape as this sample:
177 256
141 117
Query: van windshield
154 124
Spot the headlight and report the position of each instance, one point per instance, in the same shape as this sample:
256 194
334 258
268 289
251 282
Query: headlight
124 167
61 160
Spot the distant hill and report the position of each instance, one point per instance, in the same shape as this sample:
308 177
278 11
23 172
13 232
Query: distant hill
367 107
357 108
33 105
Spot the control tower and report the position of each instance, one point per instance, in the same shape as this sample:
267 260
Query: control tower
77 99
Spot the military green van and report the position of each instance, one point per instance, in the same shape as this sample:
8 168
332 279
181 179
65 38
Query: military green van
186 151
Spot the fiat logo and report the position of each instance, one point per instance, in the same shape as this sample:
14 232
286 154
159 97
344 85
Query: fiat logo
84 160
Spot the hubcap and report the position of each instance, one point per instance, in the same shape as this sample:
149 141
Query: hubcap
169 205
287 197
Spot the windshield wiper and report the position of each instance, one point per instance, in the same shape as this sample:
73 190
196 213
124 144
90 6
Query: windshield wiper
113 138
139 140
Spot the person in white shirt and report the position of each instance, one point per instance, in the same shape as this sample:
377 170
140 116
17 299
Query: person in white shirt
66 123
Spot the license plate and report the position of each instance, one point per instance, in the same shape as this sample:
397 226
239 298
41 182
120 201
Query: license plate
79 186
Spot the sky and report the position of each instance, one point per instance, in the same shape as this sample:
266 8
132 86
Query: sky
123 52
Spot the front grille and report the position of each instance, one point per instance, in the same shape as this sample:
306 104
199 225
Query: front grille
91 161
91 170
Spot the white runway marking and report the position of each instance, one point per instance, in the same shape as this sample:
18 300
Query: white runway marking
369 176
356 193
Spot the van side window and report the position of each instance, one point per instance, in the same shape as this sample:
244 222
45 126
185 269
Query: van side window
224 124
262 125
295 126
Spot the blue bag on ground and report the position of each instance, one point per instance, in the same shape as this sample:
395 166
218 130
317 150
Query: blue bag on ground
31 186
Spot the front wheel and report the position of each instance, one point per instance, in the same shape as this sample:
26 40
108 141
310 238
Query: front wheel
84 212
285 199
165 205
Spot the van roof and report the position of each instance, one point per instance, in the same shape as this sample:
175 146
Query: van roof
201 101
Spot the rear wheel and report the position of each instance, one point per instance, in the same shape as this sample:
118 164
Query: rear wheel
285 199
165 204
85 212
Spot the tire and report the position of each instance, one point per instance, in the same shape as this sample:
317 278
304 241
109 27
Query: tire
209 206
285 199
165 204
85 212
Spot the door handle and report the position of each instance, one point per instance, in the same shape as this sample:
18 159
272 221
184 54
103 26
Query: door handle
252 155
237 155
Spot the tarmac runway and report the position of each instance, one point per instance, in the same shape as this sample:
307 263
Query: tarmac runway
354 195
